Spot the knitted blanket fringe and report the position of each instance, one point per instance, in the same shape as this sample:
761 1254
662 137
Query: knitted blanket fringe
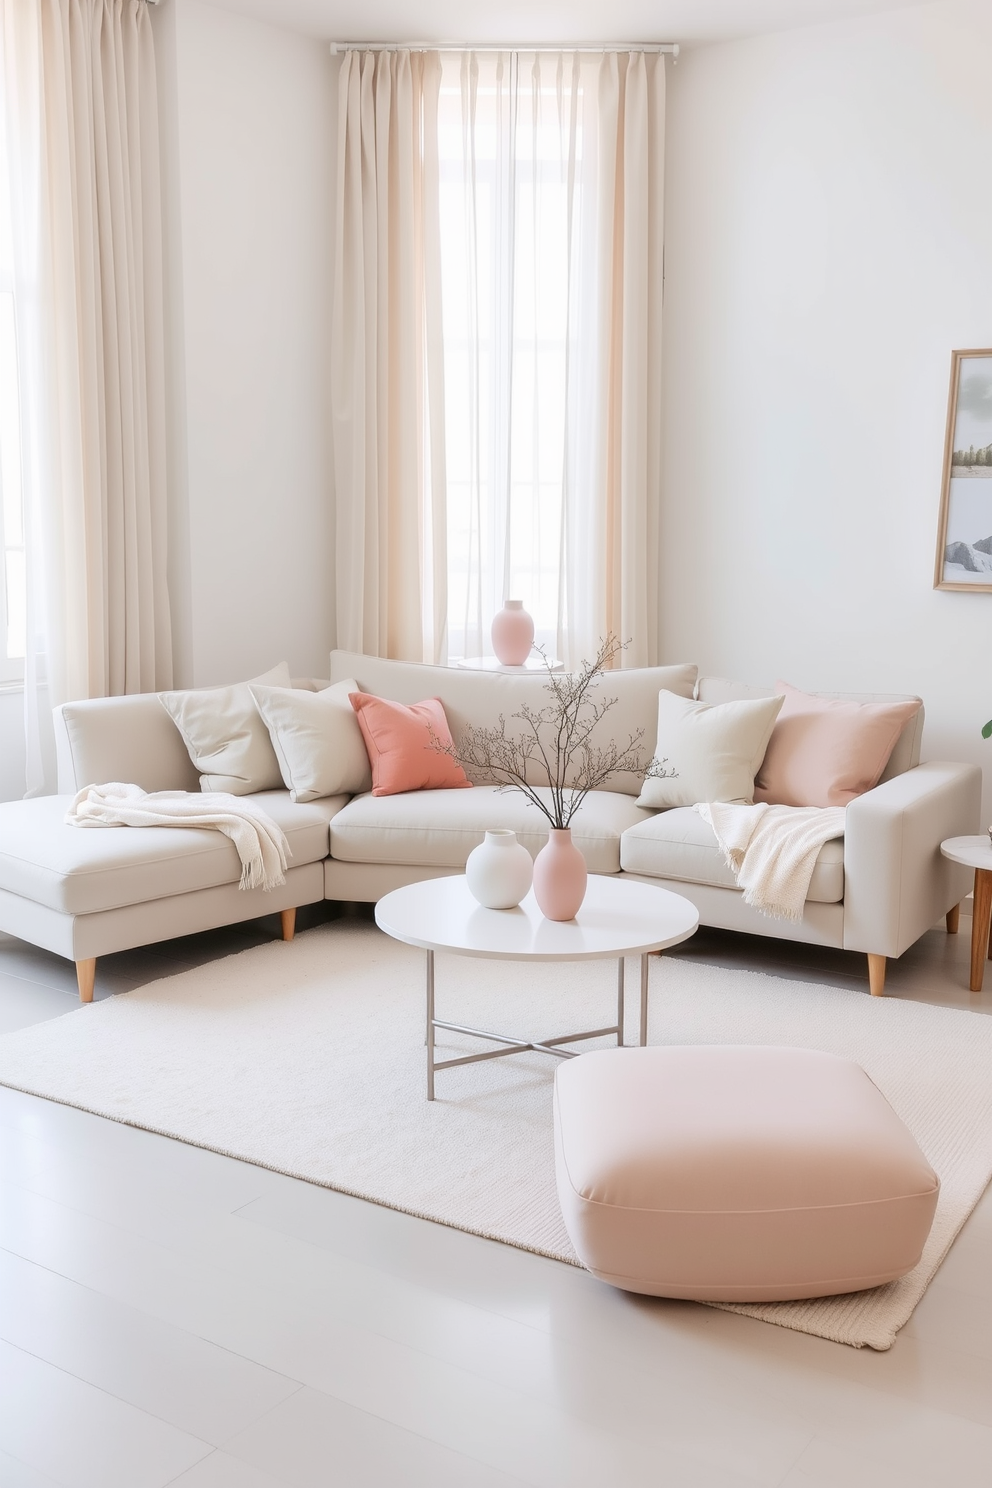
772 850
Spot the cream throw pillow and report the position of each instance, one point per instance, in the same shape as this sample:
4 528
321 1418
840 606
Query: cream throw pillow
227 740
317 739
715 749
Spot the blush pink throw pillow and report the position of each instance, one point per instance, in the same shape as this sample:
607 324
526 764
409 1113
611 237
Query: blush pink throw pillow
826 751
402 744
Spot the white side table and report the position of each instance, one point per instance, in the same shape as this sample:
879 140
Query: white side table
976 852
619 917
493 664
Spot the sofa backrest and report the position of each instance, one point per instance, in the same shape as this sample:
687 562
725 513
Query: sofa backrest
479 698
906 754
131 739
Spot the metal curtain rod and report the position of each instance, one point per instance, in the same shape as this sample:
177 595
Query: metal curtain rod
671 47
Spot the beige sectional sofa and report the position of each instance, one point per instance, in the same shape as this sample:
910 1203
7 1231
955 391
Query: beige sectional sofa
83 894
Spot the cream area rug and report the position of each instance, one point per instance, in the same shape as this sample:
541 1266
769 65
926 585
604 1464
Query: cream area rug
308 1058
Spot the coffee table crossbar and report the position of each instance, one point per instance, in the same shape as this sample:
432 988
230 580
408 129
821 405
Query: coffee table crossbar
509 1045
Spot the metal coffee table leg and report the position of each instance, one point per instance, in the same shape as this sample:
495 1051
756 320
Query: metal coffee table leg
620 1003
430 1025
644 1000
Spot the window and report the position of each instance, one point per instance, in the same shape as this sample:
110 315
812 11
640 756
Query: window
496 349
510 144
13 615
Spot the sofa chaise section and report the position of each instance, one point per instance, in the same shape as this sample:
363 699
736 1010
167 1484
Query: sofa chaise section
87 892
83 893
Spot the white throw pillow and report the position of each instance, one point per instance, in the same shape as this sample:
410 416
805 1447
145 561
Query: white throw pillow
227 740
317 739
714 748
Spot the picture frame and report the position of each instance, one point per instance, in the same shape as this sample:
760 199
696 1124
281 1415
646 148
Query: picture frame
964 532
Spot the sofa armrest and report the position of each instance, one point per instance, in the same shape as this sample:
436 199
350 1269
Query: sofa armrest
897 883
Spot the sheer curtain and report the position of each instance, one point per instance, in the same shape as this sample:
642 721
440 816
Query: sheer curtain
551 199
387 373
82 131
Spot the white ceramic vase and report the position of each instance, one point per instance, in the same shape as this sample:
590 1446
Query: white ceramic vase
512 633
499 870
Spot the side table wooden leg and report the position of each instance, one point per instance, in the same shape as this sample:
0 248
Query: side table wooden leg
981 916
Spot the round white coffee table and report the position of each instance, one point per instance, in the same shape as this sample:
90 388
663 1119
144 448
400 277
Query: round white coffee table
619 917
976 852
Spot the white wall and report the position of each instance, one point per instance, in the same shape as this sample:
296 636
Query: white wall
829 241
254 131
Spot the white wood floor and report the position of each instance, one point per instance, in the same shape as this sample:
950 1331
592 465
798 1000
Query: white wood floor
168 1316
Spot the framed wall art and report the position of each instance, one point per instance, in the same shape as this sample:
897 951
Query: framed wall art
964 537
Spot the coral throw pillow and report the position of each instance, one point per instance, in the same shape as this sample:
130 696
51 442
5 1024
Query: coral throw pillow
402 744
826 751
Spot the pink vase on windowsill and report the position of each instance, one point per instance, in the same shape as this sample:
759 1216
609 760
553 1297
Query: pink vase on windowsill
512 633
560 876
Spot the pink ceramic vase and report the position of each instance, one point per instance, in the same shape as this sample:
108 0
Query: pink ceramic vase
560 876
512 633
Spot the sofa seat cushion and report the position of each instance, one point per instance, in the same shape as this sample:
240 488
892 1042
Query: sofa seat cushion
679 845
438 829
81 870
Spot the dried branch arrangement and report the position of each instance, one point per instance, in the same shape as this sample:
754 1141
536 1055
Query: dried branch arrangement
555 743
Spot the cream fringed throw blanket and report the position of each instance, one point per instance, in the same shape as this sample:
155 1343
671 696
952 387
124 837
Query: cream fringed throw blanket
261 842
772 850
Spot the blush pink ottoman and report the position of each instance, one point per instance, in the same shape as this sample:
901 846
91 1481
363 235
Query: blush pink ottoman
737 1174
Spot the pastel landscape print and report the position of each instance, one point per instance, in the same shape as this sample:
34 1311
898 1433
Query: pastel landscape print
968 538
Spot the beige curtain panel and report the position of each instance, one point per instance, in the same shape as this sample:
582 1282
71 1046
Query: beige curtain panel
621 566
387 373
82 133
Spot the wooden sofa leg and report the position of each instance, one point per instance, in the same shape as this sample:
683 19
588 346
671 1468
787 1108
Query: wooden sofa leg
86 976
953 918
876 975
288 917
